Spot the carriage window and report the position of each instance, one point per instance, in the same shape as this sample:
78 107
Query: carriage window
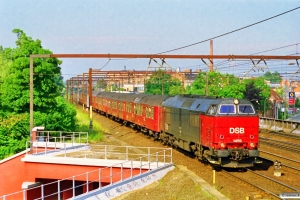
212 110
246 109
138 109
121 107
135 109
227 109
147 112
152 113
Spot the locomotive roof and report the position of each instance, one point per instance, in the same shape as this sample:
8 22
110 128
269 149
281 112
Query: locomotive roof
197 103
154 100
127 97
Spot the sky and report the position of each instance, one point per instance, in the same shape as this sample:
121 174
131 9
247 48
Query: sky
155 26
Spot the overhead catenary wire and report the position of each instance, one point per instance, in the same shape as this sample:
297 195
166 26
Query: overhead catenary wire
229 32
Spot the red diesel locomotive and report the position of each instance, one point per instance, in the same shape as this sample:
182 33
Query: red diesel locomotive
222 131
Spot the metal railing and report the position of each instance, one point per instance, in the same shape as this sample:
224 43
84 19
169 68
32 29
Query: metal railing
61 136
279 125
47 141
125 170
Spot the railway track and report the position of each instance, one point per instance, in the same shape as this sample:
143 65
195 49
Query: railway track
285 135
270 187
289 146
286 161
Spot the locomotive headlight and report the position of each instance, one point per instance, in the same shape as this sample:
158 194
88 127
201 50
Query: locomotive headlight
222 145
252 144
236 101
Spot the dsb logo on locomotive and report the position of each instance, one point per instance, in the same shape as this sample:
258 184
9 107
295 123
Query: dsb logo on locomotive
237 130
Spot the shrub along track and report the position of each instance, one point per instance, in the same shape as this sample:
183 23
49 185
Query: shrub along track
116 134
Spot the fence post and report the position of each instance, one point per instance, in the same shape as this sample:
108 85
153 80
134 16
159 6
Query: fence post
121 171
99 178
73 186
58 189
85 150
72 139
42 191
26 147
87 182
65 150
46 147
24 195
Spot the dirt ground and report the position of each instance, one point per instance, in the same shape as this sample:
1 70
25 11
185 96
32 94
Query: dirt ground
176 184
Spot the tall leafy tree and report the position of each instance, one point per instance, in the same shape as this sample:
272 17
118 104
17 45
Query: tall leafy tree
216 84
50 108
226 85
272 77
257 91
162 83
16 85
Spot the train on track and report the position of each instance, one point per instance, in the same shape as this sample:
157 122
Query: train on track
221 131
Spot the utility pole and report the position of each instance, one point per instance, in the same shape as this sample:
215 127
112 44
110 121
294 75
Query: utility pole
211 68
207 83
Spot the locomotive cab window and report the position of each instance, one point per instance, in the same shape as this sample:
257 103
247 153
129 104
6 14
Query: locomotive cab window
227 109
212 110
246 109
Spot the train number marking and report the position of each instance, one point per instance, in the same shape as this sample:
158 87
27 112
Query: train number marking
237 140
237 130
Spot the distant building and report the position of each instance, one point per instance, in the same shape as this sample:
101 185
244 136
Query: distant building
134 87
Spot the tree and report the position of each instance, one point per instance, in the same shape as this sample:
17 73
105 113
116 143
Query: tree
50 109
162 83
257 91
297 103
102 84
16 85
272 77
216 84
226 85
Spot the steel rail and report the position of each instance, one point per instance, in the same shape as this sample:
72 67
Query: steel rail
279 156
266 177
284 145
253 185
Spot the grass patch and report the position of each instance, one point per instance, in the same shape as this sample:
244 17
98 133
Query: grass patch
97 134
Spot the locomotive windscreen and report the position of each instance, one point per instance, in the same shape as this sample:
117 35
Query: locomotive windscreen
246 109
227 109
